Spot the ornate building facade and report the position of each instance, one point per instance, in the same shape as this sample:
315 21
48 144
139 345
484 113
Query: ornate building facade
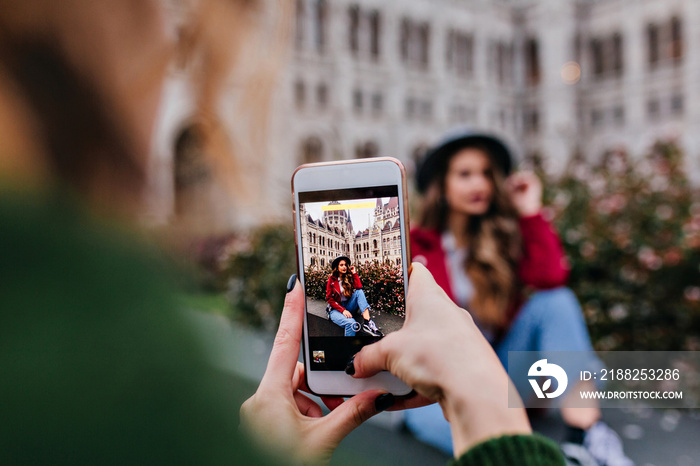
333 235
364 78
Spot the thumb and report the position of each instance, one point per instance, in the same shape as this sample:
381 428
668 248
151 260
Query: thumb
423 292
372 359
353 412
285 350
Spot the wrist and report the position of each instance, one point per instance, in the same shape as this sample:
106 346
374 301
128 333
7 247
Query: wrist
479 414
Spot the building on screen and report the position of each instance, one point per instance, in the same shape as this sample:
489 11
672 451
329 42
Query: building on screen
333 235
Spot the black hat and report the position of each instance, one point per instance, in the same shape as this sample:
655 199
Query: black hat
453 141
334 264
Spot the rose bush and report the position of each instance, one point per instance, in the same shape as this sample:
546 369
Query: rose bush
382 283
631 231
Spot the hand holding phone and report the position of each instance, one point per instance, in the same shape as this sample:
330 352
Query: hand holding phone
282 418
351 235
444 356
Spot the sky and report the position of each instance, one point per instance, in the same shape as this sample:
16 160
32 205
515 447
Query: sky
361 218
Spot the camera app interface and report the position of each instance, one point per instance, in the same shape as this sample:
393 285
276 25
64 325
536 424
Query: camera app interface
353 270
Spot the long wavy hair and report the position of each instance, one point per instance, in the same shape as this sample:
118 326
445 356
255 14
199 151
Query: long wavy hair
344 279
495 245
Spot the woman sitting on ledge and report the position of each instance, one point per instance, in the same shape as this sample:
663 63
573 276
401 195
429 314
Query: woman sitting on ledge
345 296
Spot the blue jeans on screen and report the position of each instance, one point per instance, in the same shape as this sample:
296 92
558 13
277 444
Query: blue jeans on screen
356 303
551 320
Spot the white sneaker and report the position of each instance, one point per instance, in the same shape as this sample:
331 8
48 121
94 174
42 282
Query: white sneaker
605 445
374 327
576 455
370 328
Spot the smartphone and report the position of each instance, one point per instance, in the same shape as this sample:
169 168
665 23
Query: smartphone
351 236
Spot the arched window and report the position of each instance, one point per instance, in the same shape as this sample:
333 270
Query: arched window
617 54
676 49
532 62
190 169
652 44
321 15
424 44
354 28
374 33
398 261
597 57
299 94
311 150
405 38
366 150
375 244
300 19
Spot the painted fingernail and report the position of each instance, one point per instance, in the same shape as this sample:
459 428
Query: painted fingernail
292 281
383 402
350 368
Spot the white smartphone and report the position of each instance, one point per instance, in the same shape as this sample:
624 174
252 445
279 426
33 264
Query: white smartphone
351 235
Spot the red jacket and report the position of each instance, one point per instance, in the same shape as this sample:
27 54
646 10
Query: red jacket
542 266
333 291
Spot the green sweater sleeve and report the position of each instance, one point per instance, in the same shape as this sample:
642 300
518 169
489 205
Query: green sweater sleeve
523 450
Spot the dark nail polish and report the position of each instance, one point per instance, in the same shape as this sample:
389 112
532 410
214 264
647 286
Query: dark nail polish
292 281
350 368
383 402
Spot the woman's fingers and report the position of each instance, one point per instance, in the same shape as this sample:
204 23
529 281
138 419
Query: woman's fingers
285 351
306 406
415 401
353 412
332 402
423 294
372 359
298 378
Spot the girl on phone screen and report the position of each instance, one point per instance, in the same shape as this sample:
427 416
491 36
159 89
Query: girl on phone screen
484 239
345 297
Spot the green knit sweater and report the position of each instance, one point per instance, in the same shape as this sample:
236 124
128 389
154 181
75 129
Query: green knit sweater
511 450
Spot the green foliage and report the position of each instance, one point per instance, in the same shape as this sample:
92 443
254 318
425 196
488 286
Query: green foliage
258 275
213 303
382 283
631 231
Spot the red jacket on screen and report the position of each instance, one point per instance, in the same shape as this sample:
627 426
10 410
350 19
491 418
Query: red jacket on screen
542 266
333 291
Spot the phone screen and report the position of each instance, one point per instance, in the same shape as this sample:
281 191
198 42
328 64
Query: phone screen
353 263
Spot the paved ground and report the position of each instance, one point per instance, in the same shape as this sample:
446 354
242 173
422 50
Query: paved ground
322 327
651 437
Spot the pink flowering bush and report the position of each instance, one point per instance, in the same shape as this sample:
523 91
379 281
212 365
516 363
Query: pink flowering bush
382 283
631 231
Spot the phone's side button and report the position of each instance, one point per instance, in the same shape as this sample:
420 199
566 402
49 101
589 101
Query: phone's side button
294 222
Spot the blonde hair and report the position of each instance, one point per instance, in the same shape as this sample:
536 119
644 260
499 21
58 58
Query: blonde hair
494 245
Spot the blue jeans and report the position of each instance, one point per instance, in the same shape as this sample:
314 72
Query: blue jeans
551 320
356 303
